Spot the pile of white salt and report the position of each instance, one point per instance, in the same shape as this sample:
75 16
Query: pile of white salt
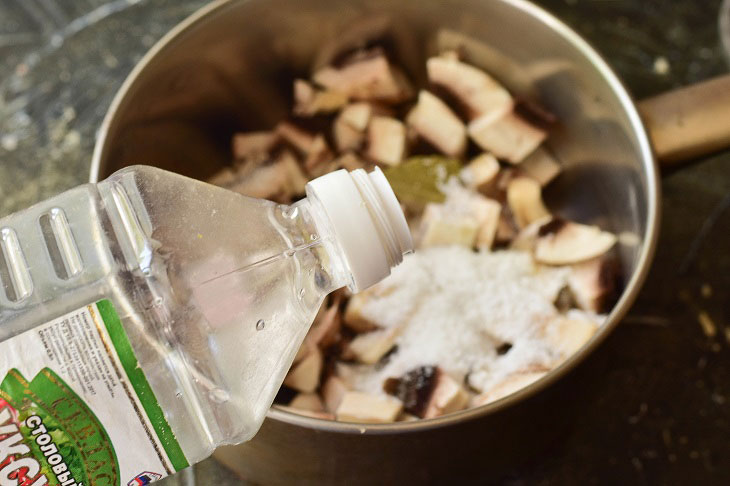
480 316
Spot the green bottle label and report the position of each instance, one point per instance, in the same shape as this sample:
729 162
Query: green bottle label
77 410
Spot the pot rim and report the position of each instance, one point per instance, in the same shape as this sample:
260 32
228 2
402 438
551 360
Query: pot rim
650 237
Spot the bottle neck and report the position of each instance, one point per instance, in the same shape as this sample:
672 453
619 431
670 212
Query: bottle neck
366 220
315 243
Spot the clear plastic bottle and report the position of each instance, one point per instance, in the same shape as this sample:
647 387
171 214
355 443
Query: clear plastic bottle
214 291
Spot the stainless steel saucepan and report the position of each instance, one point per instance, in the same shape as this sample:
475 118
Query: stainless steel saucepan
229 67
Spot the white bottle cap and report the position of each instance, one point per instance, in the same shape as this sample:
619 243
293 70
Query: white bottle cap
367 221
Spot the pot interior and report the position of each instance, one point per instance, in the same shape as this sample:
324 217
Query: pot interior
232 69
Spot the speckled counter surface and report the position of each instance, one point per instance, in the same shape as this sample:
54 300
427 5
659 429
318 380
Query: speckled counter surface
656 395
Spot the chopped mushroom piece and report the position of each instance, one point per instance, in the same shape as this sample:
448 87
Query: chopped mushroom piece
434 121
350 374
487 213
466 219
304 377
300 139
230 177
295 178
386 140
357 115
524 196
448 396
439 227
562 242
564 300
534 112
325 330
541 166
480 172
508 386
593 283
365 408
369 78
498 189
474 88
450 54
414 388
303 351
319 154
304 94
506 135
333 391
310 101
263 182
506 229
568 335
346 136
526 238
428 392
253 145
270 181
368 348
309 341
382 109
307 401
353 318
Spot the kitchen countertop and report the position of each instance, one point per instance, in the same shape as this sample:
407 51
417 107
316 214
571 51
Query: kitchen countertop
656 394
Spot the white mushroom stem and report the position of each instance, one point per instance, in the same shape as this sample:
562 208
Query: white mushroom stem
295 136
386 140
326 328
346 137
565 243
567 335
368 348
507 387
440 227
466 219
271 181
304 377
434 121
348 129
487 212
526 238
354 317
474 88
592 283
309 101
541 166
295 178
448 396
524 197
480 172
307 401
506 135
366 79
506 229
319 153
365 408
246 145
357 115
333 391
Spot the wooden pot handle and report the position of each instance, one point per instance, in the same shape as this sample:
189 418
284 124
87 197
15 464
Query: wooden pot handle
689 122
